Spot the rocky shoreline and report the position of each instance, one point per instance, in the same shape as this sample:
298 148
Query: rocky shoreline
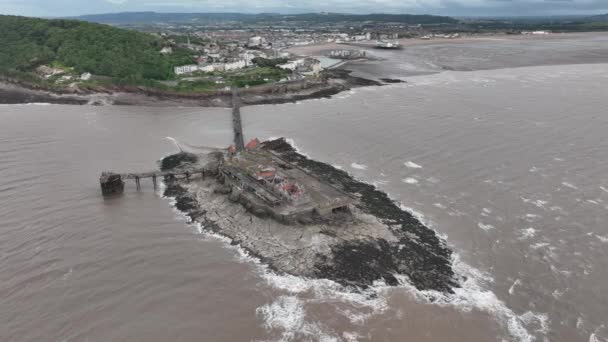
331 83
382 242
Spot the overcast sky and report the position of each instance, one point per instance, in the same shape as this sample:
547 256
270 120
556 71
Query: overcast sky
443 7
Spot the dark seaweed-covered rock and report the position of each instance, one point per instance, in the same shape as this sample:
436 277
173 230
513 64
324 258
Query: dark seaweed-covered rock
352 81
420 254
177 160
392 80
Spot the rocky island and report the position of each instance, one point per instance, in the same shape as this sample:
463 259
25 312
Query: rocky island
339 228
300 216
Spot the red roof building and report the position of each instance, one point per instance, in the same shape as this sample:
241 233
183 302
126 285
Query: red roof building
252 144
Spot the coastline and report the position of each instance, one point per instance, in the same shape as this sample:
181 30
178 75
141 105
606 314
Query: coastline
314 49
348 75
332 82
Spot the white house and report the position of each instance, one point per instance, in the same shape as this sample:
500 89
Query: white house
235 65
185 69
256 41
188 69
292 65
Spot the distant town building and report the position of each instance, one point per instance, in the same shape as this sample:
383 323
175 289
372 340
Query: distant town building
186 69
256 41
167 50
292 65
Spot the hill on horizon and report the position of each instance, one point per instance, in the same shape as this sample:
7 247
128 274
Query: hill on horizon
124 18
601 17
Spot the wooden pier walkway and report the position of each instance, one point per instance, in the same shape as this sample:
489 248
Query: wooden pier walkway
157 174
112 183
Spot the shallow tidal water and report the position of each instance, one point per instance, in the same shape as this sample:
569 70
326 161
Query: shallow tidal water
510 166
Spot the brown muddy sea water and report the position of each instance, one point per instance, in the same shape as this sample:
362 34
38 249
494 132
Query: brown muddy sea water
509 165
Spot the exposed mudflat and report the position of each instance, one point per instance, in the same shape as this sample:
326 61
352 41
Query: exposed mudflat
380 242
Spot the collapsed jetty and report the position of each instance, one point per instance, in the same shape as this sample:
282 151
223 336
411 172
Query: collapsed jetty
300 216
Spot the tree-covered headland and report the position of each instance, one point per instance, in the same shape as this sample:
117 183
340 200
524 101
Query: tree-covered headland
27 43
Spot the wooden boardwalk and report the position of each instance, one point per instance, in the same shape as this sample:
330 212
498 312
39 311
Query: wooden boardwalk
112 183
156 174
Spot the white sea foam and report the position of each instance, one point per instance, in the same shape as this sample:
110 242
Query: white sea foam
540 245
515 283
532 217
424 220
538 203
570 185
287 314
376 183
485 227
579 323
351 336
603 239
557 294
175 142
604 189
410 180
594 337
412 165
358 166
433 180
440 206
528 233
292 142
38 104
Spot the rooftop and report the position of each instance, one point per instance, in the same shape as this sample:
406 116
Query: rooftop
284 187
